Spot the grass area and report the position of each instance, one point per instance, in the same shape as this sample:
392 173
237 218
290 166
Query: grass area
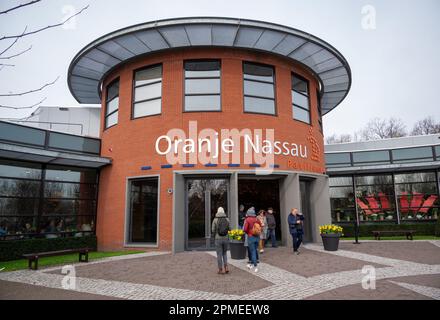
394 238
60 260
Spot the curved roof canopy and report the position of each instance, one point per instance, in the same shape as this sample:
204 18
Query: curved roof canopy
96 60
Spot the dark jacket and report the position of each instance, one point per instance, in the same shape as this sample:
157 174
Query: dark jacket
241 217
292 220
271 222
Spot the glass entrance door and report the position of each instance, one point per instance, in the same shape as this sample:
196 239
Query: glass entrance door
204 196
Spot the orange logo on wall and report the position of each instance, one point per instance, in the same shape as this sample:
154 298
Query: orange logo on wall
316 150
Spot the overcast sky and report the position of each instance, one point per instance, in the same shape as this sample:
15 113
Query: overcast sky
394 66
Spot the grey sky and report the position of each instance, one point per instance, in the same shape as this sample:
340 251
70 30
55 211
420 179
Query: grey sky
394 67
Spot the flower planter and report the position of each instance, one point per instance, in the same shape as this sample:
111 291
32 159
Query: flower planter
330 241
238 250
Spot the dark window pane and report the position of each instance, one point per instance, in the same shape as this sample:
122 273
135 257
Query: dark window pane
69 190
202 69
113 90
18 207
331 158
76 226
21 134
301 114
75 143
18 227
143 211
300 85
412 153
197 86
16 169
258 72
374 180
202 103
371 156
148 75
147 108
19 188
253 88
68 207
70 174
259 105
437 152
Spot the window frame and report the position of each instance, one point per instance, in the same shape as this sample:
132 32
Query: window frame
133 90
201 78
274 99
107 102
292 103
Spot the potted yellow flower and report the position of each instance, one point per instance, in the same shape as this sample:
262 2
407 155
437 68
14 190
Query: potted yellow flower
236 244
330 235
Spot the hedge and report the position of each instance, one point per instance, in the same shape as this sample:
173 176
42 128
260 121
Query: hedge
365 230
14 249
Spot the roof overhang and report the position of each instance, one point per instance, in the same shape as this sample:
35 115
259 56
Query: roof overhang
16 152
91 65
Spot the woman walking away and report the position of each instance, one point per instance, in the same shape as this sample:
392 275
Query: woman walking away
220 228
252 228
262 218
295 226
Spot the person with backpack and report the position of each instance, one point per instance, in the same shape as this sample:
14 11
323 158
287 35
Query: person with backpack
295 221
220 228
263 221
252 227
271 226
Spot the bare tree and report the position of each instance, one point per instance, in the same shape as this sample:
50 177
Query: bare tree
377 129
6 56
425 126
343 138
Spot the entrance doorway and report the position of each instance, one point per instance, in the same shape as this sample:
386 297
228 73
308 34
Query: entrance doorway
261 193
204 196
304 186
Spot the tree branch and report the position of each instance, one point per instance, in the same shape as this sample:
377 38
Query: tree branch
19 6
19 108
13 43
45 28
30 91
16 55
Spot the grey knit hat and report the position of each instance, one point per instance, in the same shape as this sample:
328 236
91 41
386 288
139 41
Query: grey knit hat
251 212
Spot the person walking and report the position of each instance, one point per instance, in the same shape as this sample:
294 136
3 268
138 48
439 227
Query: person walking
263 221
295 227
220 228
252 227
271 226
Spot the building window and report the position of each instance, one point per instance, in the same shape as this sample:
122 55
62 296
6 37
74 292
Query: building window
337 159
259 90
417 196
417 154
46 202
300 99
202 86
112 104
342 199
142 220
147 96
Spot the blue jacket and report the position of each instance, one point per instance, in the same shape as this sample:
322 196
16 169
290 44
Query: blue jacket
292 221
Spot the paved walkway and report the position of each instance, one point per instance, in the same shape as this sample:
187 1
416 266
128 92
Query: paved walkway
314 274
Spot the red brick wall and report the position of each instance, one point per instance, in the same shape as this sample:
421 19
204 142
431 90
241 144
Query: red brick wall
131 143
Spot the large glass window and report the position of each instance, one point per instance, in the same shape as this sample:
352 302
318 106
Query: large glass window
375 198
112 104
143 212
371 158
318 98
202 85
337 159
61 204
417 195
412 154
300 99
147 100
259 89
342 199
